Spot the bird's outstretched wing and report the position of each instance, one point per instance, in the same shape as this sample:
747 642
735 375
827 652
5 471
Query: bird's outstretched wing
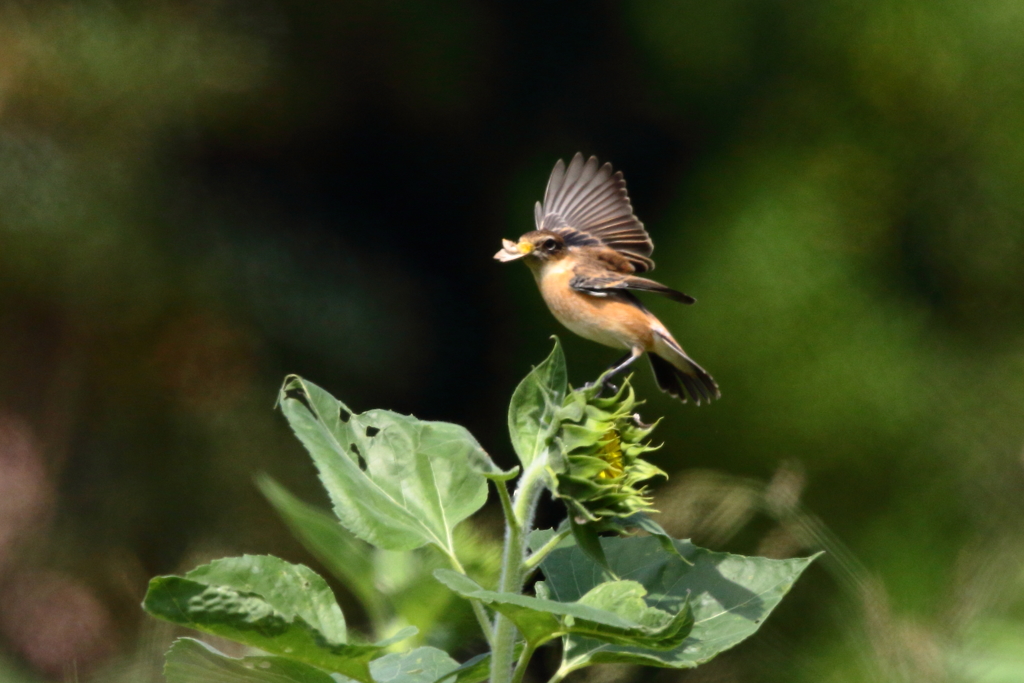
587 205
601 282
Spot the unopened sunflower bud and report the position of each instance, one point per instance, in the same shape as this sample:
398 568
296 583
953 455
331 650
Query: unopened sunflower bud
600 473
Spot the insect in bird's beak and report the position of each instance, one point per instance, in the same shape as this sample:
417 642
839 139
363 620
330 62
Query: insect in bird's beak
511 251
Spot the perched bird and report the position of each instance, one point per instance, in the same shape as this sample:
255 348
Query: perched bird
586 254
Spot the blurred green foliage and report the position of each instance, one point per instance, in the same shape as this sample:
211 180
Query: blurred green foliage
196 198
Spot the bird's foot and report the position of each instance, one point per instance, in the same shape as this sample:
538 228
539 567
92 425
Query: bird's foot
601 384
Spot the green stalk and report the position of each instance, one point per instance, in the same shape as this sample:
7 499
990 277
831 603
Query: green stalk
559 675
513 571
524 659
538 555
478 609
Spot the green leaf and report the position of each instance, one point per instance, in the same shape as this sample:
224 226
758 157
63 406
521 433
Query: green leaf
268 603
645 523
588 540
347 557
535 403
422 665
395 588
190 661
395 481
639 520
731 595
613 611
473 670
625 598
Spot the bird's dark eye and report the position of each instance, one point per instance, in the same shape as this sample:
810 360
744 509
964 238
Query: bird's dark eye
549 244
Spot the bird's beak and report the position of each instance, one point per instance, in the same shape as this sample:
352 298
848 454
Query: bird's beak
511 251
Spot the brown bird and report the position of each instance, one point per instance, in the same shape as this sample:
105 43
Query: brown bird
585 255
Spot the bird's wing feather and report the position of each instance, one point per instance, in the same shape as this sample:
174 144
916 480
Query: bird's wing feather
588 205
601 282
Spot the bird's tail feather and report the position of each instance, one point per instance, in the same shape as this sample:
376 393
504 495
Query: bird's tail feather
678 375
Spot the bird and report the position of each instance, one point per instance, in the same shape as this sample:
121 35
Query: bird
587 254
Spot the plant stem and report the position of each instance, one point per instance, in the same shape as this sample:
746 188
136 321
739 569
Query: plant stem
506 504
478 608
538 555
524 660
513 571
558 675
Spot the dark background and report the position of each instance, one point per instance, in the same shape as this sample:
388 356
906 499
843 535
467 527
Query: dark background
197 198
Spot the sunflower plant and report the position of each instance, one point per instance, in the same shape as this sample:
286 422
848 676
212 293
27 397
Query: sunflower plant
609 584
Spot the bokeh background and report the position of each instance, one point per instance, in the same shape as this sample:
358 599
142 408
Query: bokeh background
197 198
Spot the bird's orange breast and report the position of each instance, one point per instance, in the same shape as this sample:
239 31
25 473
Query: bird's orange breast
607 320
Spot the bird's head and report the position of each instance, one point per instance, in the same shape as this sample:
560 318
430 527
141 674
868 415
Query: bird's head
537 246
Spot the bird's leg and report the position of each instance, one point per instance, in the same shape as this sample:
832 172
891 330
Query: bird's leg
618 366
622 363
614 368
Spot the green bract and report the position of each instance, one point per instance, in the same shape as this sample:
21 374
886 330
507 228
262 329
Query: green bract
400 489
